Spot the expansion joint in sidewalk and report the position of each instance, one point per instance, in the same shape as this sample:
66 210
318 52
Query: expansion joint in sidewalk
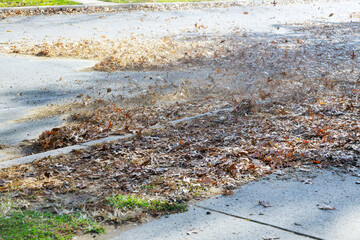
259 222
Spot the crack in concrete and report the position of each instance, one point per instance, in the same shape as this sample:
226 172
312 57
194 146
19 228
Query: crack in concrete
261 223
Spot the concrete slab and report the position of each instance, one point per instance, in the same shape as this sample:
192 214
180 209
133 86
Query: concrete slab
295 202
198 224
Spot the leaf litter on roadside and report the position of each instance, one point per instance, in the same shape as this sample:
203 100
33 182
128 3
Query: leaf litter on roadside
264 204
298 108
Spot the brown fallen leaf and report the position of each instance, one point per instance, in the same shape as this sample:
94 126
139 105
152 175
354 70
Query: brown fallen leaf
227 192
264 204
207 180
353 55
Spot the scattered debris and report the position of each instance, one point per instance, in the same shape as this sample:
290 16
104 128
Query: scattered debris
270 238
264 204
325 207
227 192
307 181
192 231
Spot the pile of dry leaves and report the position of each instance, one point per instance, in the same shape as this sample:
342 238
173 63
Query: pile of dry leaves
101 118
298 103
192 159
136 52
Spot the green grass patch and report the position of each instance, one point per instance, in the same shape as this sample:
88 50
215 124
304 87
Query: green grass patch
154 1
23 3
35 225
132 202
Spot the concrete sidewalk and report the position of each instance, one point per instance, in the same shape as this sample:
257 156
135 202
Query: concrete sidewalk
294 212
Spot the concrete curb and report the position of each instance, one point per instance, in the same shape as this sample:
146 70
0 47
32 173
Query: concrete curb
115 6
60 151
65 150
